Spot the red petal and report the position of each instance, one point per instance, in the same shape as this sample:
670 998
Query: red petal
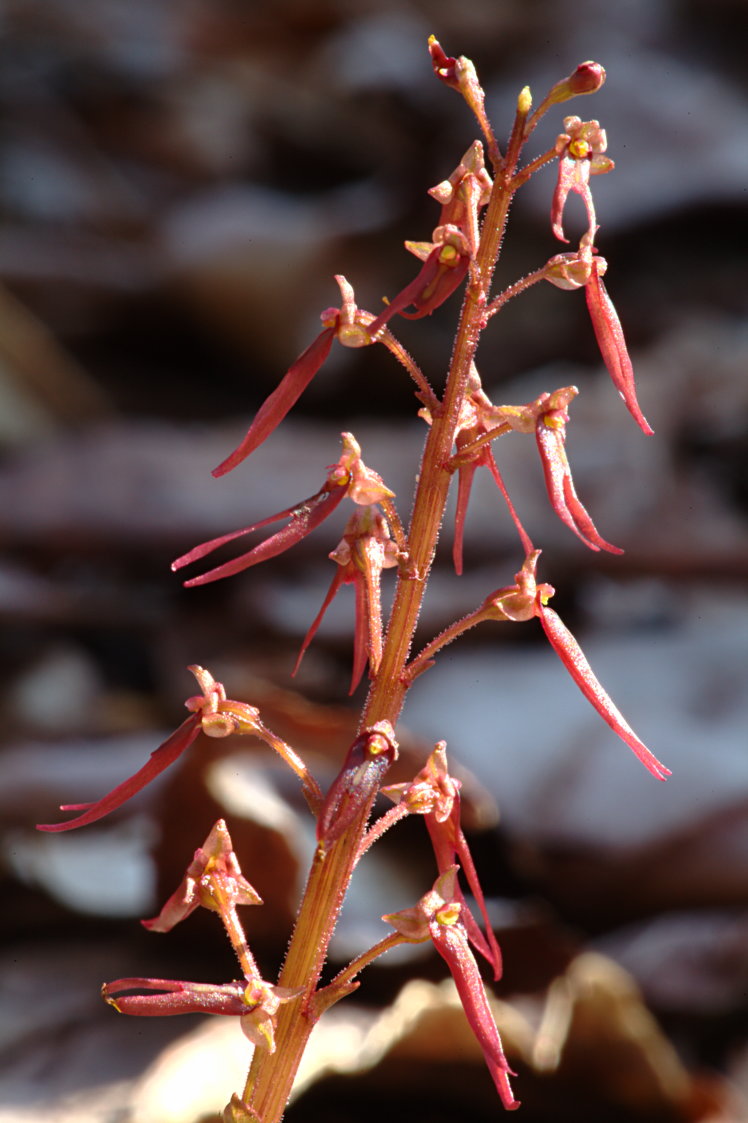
573 658
558 203
464 483
285 395
360 633
610 340
178 997
205 548
159 759
337 581
524 537
488 945
584 525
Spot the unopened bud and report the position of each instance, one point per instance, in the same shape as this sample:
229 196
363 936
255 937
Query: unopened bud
524 102
586 79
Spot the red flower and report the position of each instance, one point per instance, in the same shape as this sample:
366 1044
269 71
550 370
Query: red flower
213 880
446 258
349 477
526 599
438 916
550 434
478 417
546 417
444 269
211 712
363 552
253 1001
215 715
346 324
436 795
584 269
580 149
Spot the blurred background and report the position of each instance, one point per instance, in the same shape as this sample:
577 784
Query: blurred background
179 182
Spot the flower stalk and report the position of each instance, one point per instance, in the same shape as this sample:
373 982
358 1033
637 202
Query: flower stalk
463 425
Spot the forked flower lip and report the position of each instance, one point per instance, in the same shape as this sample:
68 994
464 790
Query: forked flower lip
348 478
211 711
526 599
346 324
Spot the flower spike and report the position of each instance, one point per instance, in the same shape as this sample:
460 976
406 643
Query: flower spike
346 324
438 916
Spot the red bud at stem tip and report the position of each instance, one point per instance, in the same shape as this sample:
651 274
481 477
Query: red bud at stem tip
587 78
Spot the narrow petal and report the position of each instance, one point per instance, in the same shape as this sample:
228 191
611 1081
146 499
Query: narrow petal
159 759
410 293
309 516
335 584
582 520
361 632
524 537
283 398
441 288
485 942
610 340
205 548
573 658
560 195
464 484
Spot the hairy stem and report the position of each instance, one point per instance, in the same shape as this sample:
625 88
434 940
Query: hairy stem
271 1075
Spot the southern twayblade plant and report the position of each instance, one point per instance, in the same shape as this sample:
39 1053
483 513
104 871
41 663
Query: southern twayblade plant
463 425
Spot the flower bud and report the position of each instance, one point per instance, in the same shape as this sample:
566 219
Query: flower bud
586 79
368 759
